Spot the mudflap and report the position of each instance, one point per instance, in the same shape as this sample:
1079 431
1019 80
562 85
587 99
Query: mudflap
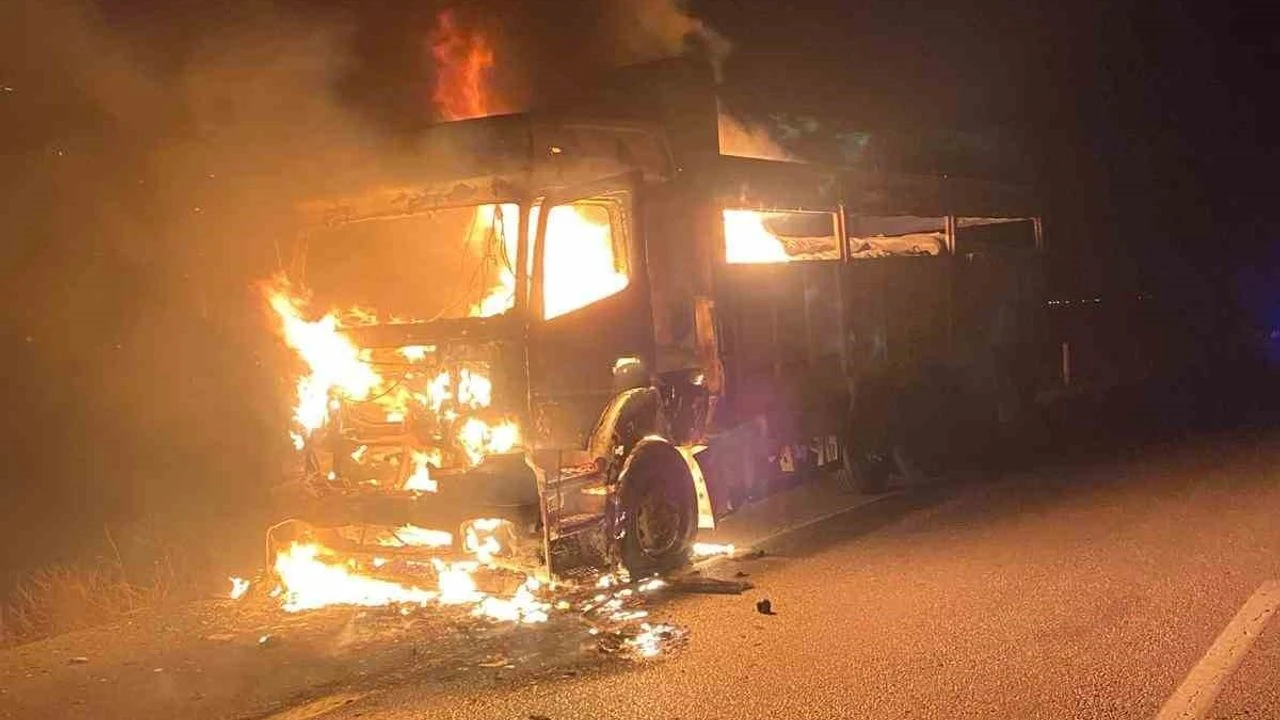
734 467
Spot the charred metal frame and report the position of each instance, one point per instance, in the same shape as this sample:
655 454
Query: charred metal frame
577 487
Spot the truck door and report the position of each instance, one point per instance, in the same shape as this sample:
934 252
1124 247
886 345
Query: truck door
590 305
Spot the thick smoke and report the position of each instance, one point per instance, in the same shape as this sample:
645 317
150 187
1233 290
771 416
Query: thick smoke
155 167
654 29
747 139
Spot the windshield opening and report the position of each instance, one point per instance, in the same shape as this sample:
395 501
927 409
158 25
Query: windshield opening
447 263
583 260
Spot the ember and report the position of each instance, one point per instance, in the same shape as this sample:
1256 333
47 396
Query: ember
420 480
414 536
239 586
706 549
649 641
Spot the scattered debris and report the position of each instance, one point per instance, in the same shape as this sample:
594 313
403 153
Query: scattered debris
710 585
494 662
267 640
750 555
78 660
220 637
653 639
764 607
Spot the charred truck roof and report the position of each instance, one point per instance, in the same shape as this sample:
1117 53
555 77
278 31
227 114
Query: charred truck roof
658 120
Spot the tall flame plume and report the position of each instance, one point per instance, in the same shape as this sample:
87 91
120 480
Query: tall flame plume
464 61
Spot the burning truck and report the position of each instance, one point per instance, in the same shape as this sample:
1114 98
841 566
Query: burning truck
574 337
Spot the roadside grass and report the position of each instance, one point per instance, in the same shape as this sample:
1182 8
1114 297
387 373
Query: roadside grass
65 597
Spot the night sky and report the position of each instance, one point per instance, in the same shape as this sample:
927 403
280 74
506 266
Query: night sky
151 149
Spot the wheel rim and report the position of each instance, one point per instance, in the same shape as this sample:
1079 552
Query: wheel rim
657 522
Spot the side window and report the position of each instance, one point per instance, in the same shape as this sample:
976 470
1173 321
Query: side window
584 260
875 236
754 236
979 234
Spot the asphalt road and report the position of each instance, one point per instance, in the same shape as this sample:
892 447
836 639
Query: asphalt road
1088 590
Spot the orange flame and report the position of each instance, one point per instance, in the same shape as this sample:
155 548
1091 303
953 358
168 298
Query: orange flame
463 61
581 266
312 578
747 240
334 361
506 218
337 368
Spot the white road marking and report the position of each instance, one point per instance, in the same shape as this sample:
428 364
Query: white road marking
1196 694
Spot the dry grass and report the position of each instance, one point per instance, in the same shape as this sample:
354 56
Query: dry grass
62 598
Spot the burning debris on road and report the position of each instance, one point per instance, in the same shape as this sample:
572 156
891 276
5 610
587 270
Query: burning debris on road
611 611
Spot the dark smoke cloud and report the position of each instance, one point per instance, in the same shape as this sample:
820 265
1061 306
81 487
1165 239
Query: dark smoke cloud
148 173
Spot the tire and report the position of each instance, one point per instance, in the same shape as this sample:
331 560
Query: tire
862 471
658 510
864 454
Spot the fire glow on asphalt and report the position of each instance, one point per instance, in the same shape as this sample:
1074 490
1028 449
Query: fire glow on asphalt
612 611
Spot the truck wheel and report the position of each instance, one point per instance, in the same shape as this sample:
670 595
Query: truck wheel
659 510
862 471
864 466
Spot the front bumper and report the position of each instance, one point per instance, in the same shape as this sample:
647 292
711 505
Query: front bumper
504 487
